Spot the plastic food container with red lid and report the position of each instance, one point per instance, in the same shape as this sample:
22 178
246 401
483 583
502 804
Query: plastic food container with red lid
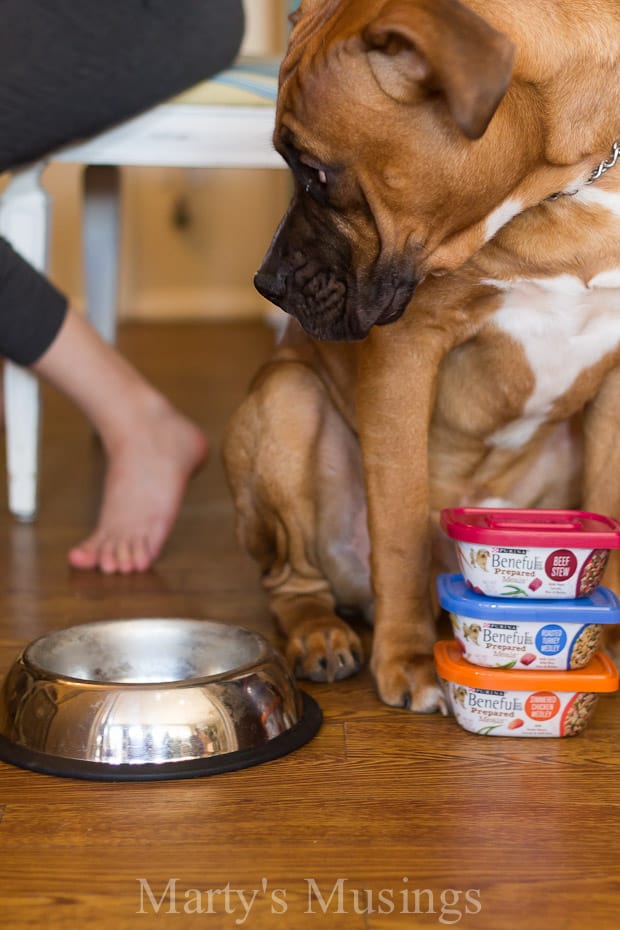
497 702
506 552
528 635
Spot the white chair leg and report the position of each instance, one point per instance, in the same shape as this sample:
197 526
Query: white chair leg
21 410
101 242
24 221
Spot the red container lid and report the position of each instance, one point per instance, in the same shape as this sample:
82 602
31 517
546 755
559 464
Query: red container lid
492 526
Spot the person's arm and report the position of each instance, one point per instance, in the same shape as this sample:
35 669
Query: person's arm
32 310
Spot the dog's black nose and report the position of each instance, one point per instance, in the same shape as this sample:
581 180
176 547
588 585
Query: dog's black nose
271 286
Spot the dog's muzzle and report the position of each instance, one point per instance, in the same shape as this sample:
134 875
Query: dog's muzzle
329 308
309 271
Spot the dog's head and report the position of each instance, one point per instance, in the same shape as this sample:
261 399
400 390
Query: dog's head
459 693
383 113
472 631
482 558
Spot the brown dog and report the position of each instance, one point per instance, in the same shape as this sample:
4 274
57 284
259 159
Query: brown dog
428 140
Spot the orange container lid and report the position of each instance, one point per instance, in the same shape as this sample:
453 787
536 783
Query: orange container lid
600 674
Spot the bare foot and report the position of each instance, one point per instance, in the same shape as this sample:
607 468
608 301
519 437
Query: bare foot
147 472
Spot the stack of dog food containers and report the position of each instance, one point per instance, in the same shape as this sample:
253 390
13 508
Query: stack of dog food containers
528 614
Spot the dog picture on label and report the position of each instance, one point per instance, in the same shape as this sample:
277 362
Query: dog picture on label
450 261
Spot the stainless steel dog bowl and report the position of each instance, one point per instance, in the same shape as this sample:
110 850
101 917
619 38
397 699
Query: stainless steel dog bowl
151 699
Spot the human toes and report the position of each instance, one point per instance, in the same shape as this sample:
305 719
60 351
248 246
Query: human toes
324 650
410 682
86 554
114 555
123 556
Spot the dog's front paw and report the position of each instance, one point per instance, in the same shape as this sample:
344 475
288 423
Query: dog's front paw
410 682
324 650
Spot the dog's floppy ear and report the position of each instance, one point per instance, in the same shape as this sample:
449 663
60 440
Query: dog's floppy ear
443 46
300 8
295 13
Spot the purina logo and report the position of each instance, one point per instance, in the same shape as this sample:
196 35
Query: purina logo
496 701
515 560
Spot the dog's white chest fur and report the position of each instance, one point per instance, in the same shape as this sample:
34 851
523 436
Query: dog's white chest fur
563 327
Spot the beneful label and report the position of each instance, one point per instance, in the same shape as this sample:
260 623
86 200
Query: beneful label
520 713
526 645
502 571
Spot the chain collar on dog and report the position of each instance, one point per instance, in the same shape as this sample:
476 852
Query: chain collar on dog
598 171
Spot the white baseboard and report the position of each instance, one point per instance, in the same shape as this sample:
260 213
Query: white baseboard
194 304
191 303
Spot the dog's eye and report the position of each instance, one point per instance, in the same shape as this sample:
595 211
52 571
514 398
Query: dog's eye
314 178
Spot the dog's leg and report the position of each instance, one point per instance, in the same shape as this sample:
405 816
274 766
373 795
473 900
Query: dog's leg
396 392
601 488
293 466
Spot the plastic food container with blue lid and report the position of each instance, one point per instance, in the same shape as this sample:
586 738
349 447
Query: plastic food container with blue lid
526 634
506 552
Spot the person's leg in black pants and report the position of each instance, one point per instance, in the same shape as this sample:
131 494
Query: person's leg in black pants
69 69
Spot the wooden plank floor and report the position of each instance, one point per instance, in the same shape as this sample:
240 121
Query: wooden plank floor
385 820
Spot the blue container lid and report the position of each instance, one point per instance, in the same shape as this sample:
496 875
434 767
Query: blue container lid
601 606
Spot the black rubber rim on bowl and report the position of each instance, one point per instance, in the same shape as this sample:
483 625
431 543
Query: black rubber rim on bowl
301 733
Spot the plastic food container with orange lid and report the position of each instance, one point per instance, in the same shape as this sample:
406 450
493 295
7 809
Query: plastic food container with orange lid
500 632
506 552
500 702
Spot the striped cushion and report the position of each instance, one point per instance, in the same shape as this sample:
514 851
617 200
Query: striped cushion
248 82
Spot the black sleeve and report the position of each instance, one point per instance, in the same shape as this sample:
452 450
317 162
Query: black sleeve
71 68
32 310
